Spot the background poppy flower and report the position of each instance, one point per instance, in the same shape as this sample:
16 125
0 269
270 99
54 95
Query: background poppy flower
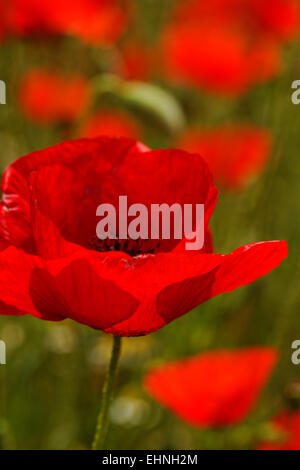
217 58
213 389
92 21
281 22
227 46
264 61
135 61
234 153
99 21
208 57
49 97
111 123
29 17
2 20
58 222
287 423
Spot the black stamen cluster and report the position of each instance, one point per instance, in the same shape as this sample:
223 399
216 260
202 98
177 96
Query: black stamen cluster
131 247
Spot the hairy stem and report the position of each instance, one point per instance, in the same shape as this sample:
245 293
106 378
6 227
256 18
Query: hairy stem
107 395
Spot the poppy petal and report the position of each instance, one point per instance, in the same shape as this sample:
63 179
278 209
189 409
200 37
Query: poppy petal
99 176
83 155
213 389
69 287
170 285
91 299
241 267
16 269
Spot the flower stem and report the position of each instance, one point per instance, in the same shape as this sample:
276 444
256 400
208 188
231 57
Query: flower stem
107 395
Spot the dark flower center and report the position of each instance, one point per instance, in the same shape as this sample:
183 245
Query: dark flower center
131 247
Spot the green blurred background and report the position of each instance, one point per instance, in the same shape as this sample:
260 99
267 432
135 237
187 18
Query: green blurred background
50 387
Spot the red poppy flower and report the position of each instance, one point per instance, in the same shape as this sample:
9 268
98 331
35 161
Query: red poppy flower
213 389
288 424
93 20
128 289
264 61
234 153
46 96
254 17
227 46
29 17
135 61
280 21
112 124
101 21
2 19
217 58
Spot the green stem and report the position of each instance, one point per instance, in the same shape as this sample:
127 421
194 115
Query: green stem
107 395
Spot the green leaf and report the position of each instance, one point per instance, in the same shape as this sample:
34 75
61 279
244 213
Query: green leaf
155 100
144 96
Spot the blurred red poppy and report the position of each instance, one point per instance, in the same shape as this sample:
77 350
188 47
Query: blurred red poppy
227 46
254 17
264 61
188 57
110 123
100 21
234 153
217 58
287 423
213 389
135 61
2 20
57 268
280 21
48 97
